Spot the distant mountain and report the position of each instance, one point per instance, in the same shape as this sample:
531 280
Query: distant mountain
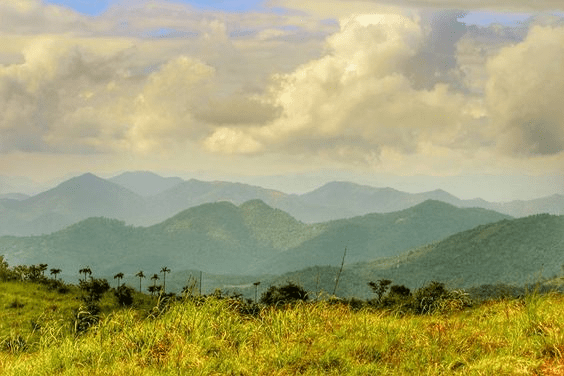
551 204
251 238
71 201
133 202
145 183
14 196
363 199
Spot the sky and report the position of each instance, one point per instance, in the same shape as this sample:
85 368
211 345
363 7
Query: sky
464 96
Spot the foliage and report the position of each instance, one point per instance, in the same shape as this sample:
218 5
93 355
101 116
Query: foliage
94 289
213 337
124 295
380 288
280 295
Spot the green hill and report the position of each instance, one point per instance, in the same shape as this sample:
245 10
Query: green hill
380 235
518 252
249 239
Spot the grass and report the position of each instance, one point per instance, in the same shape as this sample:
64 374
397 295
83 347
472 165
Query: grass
504 337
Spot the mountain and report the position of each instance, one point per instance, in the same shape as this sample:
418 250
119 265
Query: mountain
515 252
196 192
88 195
145 183
551 204
13 196
379 235
71 201
347 198
252 238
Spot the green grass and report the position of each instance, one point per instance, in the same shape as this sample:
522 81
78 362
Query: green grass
507 337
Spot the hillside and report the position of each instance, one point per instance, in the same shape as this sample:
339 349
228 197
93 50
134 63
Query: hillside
252 238
519 251
212 336
380 235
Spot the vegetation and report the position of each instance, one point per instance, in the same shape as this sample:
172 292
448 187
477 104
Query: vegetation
250 239
216 335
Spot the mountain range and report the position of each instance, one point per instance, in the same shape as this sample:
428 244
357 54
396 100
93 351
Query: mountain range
252 238
515 252
145 199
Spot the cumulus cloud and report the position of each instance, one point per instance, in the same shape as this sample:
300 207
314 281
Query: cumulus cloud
394 87
357 100
525 91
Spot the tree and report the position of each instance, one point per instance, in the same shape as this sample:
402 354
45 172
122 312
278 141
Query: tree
256 284
164 270
124 295
42 268
85 271
380 287
154 278
140 275
55 271
152 289
119 277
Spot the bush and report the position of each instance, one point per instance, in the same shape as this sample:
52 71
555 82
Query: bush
398 296
289 293
94 289
124 295
85 317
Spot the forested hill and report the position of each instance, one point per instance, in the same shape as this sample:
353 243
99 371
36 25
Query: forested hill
250 238
519 251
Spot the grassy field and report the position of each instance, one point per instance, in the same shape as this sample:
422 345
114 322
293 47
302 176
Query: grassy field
505 337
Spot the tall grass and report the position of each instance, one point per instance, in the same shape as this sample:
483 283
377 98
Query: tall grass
505 337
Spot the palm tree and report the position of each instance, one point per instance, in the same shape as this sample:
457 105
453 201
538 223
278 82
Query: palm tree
257 283
155 277
42 268
140 275
152 289
164 270
119 277
85 271
55 272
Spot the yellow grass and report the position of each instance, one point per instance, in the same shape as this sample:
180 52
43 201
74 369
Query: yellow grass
509 337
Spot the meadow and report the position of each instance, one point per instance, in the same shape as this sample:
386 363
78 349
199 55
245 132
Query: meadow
214 335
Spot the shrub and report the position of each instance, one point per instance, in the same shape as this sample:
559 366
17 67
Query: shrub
280 295
94 289
85 317
124 295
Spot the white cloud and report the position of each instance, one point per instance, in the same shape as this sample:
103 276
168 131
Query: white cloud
356 100
396 88
525 92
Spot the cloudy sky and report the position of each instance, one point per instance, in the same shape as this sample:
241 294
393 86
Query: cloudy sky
467 95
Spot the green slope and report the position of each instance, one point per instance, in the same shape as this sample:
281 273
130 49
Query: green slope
519 251
380 235
249 239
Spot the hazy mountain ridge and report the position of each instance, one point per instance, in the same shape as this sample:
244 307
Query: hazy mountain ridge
87 195
252 238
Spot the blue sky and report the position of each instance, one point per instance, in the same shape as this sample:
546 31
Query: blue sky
94 8
98 6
